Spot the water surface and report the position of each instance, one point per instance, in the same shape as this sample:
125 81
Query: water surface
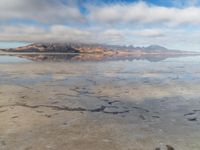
120 104
12 59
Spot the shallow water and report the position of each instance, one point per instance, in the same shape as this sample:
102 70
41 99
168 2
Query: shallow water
134 104
12 59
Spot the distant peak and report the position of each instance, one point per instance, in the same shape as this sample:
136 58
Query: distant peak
156 47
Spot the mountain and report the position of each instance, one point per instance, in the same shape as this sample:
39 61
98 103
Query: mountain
91 48
44 48
156 47
92 52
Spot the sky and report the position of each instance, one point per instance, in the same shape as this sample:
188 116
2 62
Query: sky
174 24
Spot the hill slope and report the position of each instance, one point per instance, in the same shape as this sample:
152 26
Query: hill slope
89 48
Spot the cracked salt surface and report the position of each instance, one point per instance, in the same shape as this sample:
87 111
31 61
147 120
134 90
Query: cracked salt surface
105 105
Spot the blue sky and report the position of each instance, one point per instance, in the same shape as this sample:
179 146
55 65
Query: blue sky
171 23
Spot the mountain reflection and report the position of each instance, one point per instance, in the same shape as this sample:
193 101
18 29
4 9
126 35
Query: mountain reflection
94 57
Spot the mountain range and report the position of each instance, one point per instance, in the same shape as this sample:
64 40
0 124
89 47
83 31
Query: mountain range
91 48
92 52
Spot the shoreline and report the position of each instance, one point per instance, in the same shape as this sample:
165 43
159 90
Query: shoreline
98 53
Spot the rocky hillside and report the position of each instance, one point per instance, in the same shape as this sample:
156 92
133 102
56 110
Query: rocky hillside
45 48
92 48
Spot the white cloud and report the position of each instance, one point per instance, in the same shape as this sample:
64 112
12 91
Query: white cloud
177 39
124 24
59 33
150 33
44 11
56 11
142 13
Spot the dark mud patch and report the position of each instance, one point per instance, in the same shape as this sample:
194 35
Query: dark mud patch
192 116
66 108
167 147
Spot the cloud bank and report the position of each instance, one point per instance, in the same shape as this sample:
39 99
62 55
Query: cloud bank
43 11
56 11
138 23
142 13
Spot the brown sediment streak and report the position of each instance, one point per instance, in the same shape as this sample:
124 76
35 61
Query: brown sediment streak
66 108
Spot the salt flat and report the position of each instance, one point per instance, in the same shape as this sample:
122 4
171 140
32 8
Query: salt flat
119 105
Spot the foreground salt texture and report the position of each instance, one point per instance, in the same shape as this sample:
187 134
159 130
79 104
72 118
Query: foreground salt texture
116 105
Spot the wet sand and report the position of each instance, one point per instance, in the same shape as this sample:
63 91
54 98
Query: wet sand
115 105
